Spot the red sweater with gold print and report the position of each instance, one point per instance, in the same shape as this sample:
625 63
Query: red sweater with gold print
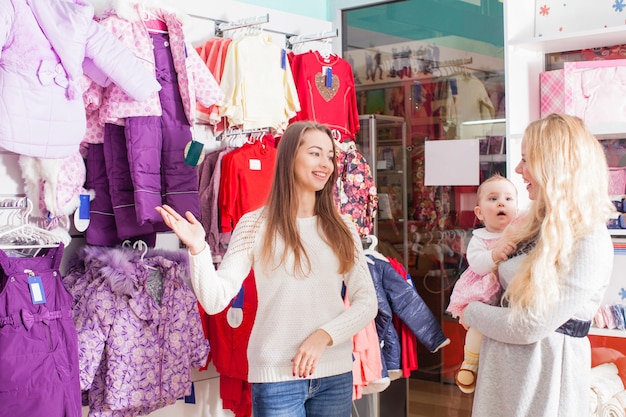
326 92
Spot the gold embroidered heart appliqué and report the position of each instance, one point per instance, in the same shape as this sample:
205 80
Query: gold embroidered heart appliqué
320 83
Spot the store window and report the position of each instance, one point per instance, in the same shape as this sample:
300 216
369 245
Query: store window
439 66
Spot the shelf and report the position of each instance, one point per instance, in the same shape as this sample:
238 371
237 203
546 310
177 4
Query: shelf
595 331
493 158
393 142
390 171
571 41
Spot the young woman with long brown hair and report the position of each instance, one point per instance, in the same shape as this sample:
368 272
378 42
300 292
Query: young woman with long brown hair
302 252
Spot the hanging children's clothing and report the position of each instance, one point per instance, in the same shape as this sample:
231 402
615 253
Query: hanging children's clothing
397 297
157 130
355 193
245 181
139 330
46 46
38 344
156 147
209 173
259 91
228 333
213 53
121 189
326 92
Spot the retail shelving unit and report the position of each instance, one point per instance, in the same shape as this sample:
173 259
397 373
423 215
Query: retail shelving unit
525 58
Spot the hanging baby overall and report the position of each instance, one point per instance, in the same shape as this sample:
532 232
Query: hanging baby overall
38 341
156 147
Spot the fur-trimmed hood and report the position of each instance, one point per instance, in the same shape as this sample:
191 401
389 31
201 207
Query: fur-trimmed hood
123 269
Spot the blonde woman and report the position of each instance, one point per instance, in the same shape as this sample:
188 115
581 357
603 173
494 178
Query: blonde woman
302 252
535 356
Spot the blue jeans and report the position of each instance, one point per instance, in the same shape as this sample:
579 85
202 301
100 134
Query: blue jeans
323 397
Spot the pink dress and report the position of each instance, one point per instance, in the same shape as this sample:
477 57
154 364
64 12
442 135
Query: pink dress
478 282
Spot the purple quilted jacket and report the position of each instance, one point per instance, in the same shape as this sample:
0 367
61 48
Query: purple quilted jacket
136 346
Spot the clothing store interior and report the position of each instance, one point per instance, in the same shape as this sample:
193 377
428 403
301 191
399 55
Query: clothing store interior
425 100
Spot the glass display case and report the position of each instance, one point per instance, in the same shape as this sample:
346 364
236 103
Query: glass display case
382 141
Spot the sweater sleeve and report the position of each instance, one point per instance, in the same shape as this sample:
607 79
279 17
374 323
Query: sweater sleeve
479 257
362 296
216 288
208 91
108 59
7 17
581 292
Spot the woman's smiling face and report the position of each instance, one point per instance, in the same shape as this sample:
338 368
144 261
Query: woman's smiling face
314 161
522 169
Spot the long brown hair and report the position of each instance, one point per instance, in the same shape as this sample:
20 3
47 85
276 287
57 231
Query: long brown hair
282 206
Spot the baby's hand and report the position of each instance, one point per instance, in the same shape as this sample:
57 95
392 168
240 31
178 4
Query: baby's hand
502 250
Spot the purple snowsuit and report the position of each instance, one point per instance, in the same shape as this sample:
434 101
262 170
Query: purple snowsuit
103 229
38 342
155 147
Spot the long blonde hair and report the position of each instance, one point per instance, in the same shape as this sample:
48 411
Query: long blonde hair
571 178
282 206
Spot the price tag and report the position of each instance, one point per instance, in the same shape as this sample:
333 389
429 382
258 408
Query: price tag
37 293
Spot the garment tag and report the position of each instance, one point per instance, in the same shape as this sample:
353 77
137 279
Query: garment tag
83 209
454 88
255 164
234 315
37 293
194 153
239 298
82 216
283 59
329 77
191 398
417 91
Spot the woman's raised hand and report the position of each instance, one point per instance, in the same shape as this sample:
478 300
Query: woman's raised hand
189 230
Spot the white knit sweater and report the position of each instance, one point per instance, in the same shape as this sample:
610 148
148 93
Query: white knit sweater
289 308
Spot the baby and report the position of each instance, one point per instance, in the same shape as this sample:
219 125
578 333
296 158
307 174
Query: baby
496 208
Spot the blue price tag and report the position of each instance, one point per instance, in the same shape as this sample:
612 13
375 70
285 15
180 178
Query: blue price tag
83 209
329 77
238 300
191 398
283 59
37 293
453 86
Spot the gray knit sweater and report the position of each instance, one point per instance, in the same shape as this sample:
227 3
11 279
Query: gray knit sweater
533 371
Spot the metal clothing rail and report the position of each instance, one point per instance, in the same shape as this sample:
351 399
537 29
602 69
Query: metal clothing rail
223 25
314 37
235 132
251 21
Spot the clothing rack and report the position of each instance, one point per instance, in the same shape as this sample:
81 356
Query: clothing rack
236 132
455 62
17 233
251 21
222 25
314 37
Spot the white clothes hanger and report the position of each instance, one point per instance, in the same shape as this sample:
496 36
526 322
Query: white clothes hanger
371 249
